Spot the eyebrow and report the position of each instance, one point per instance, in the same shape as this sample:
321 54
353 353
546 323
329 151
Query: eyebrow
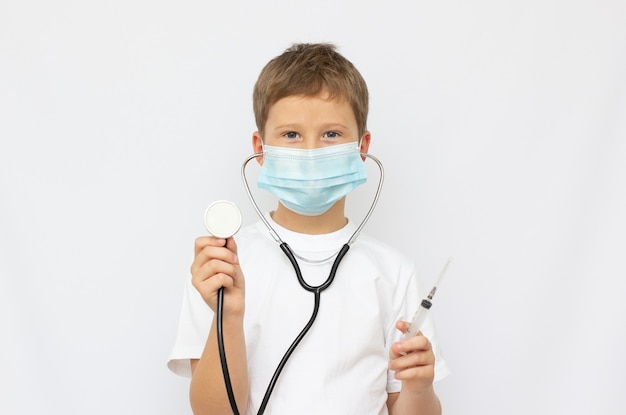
286 127
329 126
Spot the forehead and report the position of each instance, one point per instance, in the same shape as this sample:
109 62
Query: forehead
316 107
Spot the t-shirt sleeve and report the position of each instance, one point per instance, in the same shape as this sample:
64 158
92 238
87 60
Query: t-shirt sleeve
193 329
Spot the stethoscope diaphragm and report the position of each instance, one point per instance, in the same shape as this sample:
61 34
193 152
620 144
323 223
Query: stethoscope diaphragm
222 219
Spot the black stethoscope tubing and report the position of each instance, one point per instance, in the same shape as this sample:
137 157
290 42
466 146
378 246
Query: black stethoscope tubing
315 289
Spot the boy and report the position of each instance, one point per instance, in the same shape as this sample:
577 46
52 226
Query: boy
311 107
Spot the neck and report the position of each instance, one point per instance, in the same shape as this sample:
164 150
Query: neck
330 221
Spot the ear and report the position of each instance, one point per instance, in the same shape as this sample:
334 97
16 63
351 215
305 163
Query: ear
365 143
257 146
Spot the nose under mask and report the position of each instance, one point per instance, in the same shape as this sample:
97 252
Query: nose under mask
310 181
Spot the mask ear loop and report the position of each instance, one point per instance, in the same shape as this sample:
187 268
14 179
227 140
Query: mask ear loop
273 232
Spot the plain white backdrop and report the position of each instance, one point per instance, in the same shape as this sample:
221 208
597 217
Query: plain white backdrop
502 126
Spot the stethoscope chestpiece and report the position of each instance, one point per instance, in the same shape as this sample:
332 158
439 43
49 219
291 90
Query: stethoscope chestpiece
222 219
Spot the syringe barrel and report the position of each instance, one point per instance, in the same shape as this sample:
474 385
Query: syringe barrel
418 320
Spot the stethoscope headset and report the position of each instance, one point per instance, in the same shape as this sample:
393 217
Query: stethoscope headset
223 219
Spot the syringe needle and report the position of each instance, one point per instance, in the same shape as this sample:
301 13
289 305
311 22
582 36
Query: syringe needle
422 311
441 274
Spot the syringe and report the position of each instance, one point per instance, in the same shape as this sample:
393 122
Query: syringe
422 311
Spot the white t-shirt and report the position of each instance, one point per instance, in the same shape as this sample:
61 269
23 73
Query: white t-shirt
340 367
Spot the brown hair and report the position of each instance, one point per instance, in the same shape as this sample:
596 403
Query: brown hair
308 69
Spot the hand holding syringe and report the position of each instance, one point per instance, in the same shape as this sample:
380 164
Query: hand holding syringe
422 311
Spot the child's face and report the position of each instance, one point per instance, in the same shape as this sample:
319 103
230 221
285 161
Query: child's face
309 122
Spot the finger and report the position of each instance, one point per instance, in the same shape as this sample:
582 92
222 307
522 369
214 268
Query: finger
211 268
204 241
426 372
420 342
403 326
410 360
414 359
211 252
214 283
416 344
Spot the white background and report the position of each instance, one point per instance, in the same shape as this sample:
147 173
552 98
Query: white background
502 126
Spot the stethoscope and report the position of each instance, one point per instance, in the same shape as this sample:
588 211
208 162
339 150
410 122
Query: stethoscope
223 219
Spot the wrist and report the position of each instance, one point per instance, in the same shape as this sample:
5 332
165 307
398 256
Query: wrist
421 392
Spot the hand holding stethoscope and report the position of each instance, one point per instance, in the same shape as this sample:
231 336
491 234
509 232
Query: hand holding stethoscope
215 263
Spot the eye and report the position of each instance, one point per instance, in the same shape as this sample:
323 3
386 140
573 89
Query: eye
291 135
332 134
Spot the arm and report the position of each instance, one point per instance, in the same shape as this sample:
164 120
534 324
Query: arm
413 361
215 265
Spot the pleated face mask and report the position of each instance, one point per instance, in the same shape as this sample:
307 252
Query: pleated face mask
310 181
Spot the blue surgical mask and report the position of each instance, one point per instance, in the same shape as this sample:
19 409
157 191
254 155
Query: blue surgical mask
310 181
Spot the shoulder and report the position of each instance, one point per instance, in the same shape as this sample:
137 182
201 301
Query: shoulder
376 249
252 234
248 231
254 241
383 261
